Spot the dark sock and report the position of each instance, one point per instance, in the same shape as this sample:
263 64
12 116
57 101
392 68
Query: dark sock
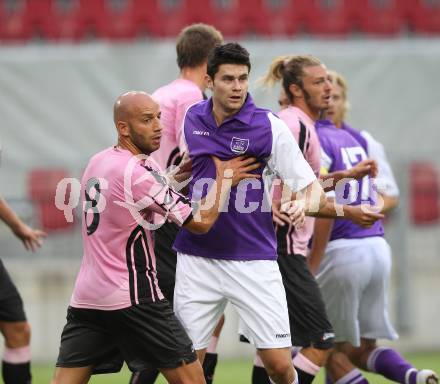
304 377
16 373
148 376
259 376
328 379
209 364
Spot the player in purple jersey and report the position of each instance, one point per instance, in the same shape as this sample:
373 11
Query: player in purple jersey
16 366
365 277
192 47
236 261
117 310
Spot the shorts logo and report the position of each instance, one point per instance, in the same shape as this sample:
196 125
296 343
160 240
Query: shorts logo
239 145
282 335
327 336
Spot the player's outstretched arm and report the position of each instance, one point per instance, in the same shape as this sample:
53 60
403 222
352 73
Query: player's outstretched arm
362 215
31 238
228 174
387 203
363 168
317 205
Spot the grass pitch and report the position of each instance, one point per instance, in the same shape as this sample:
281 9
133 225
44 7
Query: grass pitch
232 372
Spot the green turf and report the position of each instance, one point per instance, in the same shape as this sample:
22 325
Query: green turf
231 372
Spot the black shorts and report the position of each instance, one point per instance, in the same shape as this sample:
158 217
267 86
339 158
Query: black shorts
309 325
166 258
11 304
144 336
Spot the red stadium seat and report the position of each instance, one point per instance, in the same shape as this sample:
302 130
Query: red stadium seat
382 17
42 184
118 21
424 193
225 15
424 16
74 19
15 25
275 17
161 18
330 17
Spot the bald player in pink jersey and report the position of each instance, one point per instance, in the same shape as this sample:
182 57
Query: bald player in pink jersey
117 311
192 47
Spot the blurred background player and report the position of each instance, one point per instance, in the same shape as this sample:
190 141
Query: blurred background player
117 311
337 113
16 366
192 47
354 274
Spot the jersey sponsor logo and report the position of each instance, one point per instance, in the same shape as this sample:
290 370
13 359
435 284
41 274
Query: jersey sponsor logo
282 335
201 133
327 335
239 145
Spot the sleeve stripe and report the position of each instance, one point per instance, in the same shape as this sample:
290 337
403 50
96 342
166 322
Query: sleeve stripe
302 136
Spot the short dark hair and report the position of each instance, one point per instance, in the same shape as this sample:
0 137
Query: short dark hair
230 53
194 44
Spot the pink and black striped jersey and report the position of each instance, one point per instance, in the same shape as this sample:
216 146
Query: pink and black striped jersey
174 99
303 129
124 198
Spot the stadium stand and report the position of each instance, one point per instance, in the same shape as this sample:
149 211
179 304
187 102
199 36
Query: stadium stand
381 17
42 184
78 20
424 16
424 193
330 17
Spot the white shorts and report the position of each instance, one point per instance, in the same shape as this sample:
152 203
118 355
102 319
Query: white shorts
354 278
204 286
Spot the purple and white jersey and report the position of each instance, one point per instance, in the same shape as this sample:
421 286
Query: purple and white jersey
340 150
244 229
385 181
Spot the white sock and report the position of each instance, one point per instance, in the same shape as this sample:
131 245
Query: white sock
212 347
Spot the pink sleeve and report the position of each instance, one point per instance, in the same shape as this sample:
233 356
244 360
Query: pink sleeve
151 192
182 106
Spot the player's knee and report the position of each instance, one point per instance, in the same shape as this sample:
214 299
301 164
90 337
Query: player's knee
193 374
319 356
279 368
17 334
359 355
